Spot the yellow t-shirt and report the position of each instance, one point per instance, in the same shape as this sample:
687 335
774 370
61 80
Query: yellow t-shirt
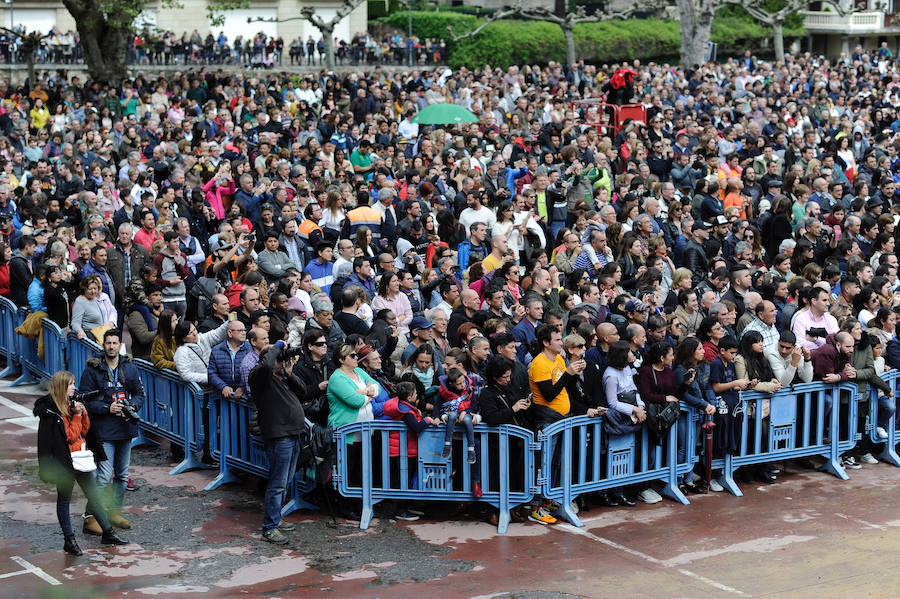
490 263
542 369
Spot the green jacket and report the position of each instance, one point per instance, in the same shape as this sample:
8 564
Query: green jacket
864 364
344 399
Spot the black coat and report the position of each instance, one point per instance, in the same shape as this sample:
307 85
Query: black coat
277 399
495 406
54 457
311 374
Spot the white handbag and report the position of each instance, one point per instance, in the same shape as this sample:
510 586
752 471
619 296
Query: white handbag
83 460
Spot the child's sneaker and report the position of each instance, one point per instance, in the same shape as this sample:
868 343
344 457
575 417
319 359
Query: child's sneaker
446 453
882 434
471 457
541 516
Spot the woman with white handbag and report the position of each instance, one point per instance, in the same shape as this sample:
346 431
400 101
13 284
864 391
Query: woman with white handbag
67 453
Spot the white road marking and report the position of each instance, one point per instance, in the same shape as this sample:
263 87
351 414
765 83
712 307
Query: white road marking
27 420
580 531
863 522
29 567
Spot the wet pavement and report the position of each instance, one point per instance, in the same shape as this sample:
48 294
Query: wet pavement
810 535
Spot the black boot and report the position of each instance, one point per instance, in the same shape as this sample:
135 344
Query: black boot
71 545
111 538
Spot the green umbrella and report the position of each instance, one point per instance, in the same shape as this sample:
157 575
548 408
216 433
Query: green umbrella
444 114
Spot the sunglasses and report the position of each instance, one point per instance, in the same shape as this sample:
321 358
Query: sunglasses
318 344
354 355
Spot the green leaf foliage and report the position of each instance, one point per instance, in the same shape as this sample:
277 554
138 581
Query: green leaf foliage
510 42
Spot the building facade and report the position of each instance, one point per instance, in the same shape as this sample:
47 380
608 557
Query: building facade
44 15
871 23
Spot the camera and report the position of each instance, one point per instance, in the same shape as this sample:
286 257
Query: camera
81 398
290 352
817 332
129 414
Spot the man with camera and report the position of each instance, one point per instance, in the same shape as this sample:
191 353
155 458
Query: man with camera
113 412
282 426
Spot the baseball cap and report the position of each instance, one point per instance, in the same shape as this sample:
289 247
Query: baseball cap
420 322
219 244
633 306
721 220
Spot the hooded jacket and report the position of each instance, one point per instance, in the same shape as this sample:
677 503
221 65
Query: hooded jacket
54 453
98 376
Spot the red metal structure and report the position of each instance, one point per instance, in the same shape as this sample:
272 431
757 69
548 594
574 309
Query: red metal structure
609 117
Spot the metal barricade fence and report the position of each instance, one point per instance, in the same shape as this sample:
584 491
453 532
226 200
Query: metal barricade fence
28 354
578 456
172 410
889 453
373 474
78 352
8 335
54 348
240 451
798 425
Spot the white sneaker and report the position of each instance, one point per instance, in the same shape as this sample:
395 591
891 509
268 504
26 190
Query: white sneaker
882 434
868 458
715 487
649 496
573 506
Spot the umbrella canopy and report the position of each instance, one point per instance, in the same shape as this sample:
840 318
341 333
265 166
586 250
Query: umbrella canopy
444 114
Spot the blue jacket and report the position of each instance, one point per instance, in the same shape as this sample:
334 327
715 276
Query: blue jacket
464 251
511 176
524 334
252 203
97 376
91 268
322 274
36 296
223 371
892 353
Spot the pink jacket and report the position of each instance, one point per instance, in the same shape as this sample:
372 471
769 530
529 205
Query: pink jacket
214 197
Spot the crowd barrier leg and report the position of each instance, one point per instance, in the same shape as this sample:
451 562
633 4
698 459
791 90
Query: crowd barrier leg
368 504
833 463
888 453
8 316
671 489
301 484
27 348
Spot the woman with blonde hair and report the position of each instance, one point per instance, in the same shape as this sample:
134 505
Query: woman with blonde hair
63 429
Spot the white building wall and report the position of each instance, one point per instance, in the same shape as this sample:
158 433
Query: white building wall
43 15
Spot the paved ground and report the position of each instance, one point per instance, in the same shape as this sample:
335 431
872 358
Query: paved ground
811 535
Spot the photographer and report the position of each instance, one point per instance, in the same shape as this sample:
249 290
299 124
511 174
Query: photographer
65 428
114 415
282 424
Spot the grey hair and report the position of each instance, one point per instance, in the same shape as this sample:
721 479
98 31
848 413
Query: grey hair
321 303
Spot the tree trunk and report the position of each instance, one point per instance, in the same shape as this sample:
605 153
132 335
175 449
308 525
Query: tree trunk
328 36
569 34
105 45
696 22
778 35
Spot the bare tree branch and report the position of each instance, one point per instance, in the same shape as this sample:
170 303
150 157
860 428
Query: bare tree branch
497 16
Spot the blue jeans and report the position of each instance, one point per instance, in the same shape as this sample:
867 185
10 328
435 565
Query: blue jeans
113 472
282 454
886 409
87 483
452 418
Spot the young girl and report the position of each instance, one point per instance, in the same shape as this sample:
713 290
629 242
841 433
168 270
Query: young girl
65 427
886 404
458 404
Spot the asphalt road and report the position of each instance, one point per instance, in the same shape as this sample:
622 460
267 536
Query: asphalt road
810 535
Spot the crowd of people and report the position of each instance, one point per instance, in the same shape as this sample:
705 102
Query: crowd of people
157 47
309 247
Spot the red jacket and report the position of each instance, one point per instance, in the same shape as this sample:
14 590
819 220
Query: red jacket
400 410
4 280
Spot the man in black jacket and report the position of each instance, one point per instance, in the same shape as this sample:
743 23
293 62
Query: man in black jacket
283 426
21 270
694 256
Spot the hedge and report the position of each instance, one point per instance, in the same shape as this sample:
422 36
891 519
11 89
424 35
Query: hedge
505 43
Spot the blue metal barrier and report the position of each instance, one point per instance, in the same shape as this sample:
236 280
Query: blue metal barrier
54 348
794 428
28 354
8 336
78 351
239 451
590 460
431 478
889 453
172 410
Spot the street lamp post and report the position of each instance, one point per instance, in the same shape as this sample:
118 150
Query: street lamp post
409 42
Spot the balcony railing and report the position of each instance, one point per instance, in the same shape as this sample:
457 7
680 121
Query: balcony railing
826 22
